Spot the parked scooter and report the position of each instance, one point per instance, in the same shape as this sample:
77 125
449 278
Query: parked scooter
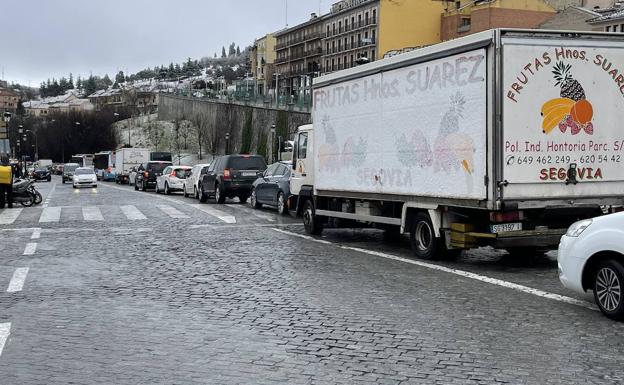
24 192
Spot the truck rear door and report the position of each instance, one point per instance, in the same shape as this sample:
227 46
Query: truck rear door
563 110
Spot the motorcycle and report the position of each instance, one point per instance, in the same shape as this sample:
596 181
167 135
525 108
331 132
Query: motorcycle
24 192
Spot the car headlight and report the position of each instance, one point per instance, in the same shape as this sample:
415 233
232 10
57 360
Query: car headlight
577 228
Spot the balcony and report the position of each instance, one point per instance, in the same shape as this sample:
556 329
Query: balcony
350 28
349 47
313 52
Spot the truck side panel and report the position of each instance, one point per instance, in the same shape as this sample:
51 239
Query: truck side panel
418 130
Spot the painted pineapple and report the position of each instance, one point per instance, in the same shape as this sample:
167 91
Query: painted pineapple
570 87
450 120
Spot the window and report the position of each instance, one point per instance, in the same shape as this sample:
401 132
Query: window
608 28
351 60
327 29
615 28
339 44
333 66
327 50
372 58
326 65
366 17
345 43
373 37
340 26
374 16
338 63
271 170
359 20
302 149
334 28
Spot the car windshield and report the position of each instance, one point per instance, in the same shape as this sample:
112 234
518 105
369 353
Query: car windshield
157 167
247 163
84 171
70 168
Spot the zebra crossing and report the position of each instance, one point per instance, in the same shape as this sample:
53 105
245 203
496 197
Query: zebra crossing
95 214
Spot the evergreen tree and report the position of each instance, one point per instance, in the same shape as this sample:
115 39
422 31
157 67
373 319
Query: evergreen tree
120 78
232 50
223 54
107 80
71 81
79 83
238 52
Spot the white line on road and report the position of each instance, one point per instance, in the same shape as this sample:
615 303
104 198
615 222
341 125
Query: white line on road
17 281
50 214
30 248
172 212
132 213
462 273
222 216
36 233
5 330
253 212
9 216
46 202
92 213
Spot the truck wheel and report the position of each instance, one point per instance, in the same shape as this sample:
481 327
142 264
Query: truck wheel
202 196
310 220
424 243
608 282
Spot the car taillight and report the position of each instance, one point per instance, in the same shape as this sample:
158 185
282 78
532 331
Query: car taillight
146 174
226 174
173 174
108 170
506 216
617 209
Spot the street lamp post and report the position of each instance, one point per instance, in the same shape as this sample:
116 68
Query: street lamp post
22 131
7 119
227 142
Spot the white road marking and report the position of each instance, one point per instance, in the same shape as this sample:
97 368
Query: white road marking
238 226
172 212
222 216
30 248
36 233
46 202
462 273
253 212
92 213
5 330
132 213
8 216
50 214
17 281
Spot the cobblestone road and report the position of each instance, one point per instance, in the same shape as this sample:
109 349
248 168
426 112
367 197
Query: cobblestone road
113 286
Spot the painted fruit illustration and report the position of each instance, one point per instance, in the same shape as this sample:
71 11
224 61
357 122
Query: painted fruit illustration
329 152
453 149
572 109
347 152
415 151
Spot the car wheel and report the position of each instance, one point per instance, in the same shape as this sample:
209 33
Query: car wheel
310 220
156 190
184 194
219 196
424 243
167 191
281 204
254 200
608 281
195 194
202 195
243 199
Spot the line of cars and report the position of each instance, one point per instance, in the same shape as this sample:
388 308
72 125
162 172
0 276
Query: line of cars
241 176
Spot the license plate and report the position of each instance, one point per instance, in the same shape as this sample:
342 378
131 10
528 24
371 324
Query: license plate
248 173
505 227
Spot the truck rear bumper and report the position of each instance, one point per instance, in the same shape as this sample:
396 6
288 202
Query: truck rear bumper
531 238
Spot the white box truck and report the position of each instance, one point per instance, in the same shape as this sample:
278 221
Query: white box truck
126 159
502 138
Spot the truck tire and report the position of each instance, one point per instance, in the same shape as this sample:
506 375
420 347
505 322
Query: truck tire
424 243
310 220
608 282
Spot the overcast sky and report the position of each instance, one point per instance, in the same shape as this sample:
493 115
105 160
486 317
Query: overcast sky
42 39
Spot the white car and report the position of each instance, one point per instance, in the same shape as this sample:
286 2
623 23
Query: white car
84 176
591 257
191 183
172 179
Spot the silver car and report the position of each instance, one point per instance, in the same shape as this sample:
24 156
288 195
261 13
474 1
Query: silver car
191 183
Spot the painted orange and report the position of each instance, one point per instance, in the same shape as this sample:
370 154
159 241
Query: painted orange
582 112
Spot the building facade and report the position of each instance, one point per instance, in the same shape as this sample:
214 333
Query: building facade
611 20
9 100
461 18
360 31
263 63
298 58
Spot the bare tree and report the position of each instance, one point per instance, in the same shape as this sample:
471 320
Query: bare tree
201 121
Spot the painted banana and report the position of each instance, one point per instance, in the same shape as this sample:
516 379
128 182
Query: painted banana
557 103
554 116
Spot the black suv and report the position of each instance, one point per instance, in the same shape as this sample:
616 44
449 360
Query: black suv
231 176
147 174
